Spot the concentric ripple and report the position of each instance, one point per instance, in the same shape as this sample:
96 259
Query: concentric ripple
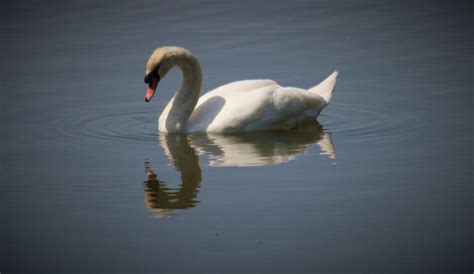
121 122
368 122
133 123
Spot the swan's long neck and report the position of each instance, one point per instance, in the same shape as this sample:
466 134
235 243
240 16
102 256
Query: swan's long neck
176 114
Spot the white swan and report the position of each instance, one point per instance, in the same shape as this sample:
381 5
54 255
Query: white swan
239 106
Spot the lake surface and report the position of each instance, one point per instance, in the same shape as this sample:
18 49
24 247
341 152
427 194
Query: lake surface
381 184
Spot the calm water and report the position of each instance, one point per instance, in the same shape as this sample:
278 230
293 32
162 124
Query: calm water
382 184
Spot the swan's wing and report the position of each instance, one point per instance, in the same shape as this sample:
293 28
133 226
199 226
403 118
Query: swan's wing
253 105
228 106
298 103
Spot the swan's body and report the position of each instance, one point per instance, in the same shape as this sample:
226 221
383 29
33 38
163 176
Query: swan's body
239 106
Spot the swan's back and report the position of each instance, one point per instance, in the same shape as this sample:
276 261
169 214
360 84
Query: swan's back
238 86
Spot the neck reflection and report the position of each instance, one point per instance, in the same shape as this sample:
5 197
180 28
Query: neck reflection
163 200
224 150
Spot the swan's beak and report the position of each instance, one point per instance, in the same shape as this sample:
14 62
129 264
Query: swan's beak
151 89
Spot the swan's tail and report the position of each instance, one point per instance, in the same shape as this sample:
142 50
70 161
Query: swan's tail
326 87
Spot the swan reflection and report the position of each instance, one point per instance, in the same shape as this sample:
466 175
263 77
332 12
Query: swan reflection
163 200
242 150
261 148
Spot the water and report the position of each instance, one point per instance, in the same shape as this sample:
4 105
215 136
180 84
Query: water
382 184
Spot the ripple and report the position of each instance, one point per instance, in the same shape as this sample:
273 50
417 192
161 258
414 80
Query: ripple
348 122
375 122
122 122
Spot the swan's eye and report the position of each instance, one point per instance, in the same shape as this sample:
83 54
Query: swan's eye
151 74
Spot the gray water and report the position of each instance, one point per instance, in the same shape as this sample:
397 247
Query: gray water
381 184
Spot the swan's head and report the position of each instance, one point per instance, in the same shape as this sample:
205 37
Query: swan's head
158 65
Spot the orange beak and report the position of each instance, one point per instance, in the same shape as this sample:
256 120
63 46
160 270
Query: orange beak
151 89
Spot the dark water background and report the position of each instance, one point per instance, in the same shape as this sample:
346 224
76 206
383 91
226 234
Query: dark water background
382 185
